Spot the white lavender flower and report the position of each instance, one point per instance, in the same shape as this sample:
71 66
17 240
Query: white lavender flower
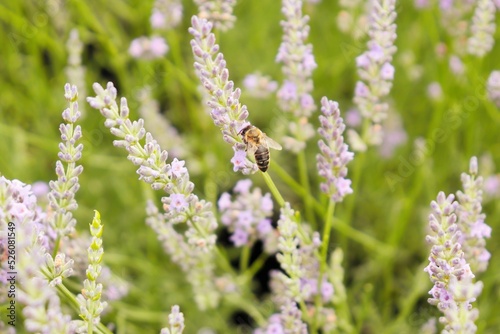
167 14
183 206
471 220
493 87
176 322
376 73
334 157
453 290
248 216
219 12
294 95
89 300
227 112
193 251
482 29
62 194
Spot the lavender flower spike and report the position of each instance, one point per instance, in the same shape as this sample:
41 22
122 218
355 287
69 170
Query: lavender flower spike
376 73
89 300
482 29
227 112
289 256
62 194
335 155
298 61
294 95
453 290
471 220
181 206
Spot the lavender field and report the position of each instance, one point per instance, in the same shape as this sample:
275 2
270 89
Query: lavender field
264 167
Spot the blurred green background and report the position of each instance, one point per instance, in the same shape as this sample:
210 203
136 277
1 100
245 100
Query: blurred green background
387 291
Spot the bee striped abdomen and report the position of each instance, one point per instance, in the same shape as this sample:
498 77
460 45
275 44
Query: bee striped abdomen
262 158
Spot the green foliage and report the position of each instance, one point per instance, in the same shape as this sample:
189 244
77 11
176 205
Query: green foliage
385 283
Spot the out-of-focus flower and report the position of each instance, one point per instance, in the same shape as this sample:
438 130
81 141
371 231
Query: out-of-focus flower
456 65
471 220
376 73
148 47
248 216
294 95
75 71
421 4
493 87
219 12
393 136
434 91
259 86
167 14
482 29
334 157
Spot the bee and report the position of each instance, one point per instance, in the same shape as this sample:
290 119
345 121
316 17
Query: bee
258 144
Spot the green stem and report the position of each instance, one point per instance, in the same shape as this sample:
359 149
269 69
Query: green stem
56 245
327 229
244 258
273 189
304 180
326 236
351 200
70 297
256 265
297 188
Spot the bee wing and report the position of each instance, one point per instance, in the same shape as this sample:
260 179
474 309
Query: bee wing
251 149
272 144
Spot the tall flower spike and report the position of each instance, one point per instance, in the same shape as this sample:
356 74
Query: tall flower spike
453 290
289 256
219 12
227 112
62 194
482 29
471 220
334 157
89 300
376 73
294 95
181 206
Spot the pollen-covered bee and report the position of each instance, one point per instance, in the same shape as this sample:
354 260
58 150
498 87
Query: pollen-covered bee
258 144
